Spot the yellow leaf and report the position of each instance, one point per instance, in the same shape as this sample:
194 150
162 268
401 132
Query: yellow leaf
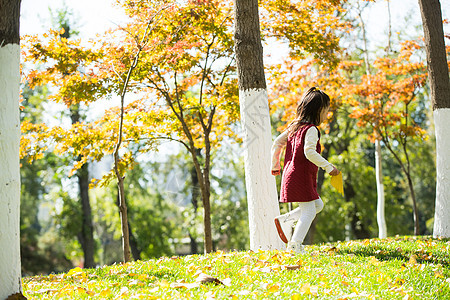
413 259
264 256
105 293
337 183
295 297
306 289
164 284
273 288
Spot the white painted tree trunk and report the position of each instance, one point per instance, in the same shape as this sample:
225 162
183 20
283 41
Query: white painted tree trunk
260 183
10 274
381 220
442 210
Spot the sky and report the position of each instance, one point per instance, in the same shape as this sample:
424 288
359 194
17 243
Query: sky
93 16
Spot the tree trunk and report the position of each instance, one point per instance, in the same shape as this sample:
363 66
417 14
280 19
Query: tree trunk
415 209
195 195
10 274
86 236
206 195
261 186
440 97
381 220
134 248
204 182
87 229
123 219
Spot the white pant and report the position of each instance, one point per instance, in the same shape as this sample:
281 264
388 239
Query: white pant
305 214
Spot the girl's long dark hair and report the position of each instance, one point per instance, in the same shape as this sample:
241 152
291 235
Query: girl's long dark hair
309 109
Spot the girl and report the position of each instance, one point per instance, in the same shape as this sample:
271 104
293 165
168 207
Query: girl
301 162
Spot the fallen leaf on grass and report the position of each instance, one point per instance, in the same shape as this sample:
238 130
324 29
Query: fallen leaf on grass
273 288
332 250
291 267
105 293
308 289
413 259
204 278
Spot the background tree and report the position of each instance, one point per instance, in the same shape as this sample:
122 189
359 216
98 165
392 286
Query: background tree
382 230
438 75
187 73
10 275
190 75
85 234
388 104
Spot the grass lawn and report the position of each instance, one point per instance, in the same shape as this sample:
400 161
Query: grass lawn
393 268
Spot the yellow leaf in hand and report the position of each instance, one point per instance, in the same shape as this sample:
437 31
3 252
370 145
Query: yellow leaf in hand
337 183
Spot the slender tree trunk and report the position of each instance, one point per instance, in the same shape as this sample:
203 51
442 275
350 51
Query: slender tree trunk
261 186
87 230
381 220
134 248
10 274
440 97
86 236
206 195
204 182
195 195
120 177
415 208
123 217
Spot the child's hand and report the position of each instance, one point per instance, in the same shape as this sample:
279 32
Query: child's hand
276 172
334 172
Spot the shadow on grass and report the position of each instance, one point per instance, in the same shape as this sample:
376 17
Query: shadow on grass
385 255
406 251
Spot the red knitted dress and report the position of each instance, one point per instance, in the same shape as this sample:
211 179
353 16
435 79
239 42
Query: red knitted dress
299 181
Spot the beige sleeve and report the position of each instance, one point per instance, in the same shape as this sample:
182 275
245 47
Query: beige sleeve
311 139
277 147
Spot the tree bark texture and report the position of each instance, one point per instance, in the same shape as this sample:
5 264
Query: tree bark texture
9 22
10 270
249 50
436 55
438 76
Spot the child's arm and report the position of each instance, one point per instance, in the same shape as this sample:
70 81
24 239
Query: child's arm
311 139
277 147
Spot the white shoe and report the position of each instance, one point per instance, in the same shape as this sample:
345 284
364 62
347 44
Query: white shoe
284 227
297 247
